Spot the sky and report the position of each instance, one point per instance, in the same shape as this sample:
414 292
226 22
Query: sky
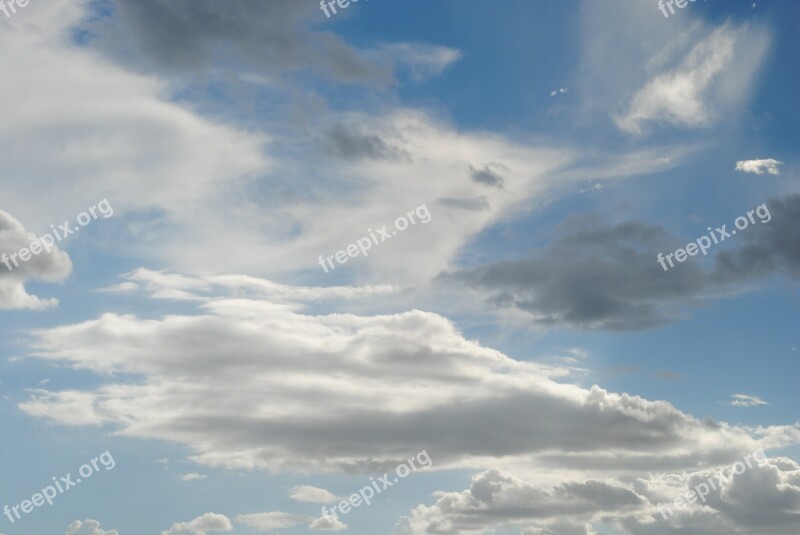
401 268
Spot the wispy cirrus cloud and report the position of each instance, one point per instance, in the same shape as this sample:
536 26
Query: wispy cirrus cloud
745 400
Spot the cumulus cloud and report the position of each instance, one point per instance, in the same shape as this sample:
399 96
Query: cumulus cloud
51 266
498 499
267 522
759 167
202 525
762 498
327 523
402 382
309 494
88 527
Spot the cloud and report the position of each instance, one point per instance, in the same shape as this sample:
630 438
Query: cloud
555 92
130 137
308 494
762 499
486 176
126 138
497 499
745 400
50 266
202 525
769 247
403 382
604 276
475 203
350 142
709 76
327 523
595 275
759 167
192 476
421 61
270 36
266 522
88 527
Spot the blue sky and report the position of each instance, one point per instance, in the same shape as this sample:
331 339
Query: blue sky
524 335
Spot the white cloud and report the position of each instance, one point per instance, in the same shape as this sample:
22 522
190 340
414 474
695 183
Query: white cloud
192 476
759 167
422 61
402 382
555 92
106 132
745 400
202 525
266 522
762 499
88 527
711 73
327 523
52 266
309 494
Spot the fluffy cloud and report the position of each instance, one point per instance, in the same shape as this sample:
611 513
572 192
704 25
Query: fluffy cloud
51 266
759 167
309 494
391 385
498 499
201 525
88 527
327 523
764 498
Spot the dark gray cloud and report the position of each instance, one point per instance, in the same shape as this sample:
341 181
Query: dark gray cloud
595 276
486 176
351 143
598 275
266 35
768 247
476 204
